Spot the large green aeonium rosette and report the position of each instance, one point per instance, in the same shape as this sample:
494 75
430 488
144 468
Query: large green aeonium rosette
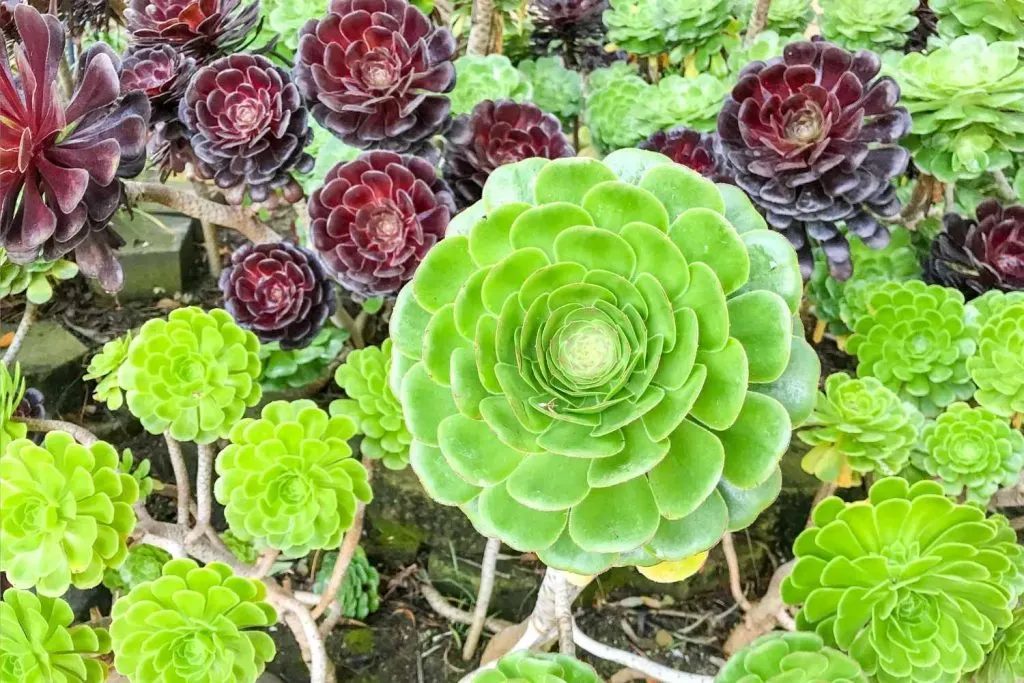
598 366
790 658
538 667
910 584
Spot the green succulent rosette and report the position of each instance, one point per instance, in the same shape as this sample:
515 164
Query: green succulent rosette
971 452
635 26
998 366
490 77
191 376
621 109
143 563
38 644
766 45
104 369
372 405
34 279
65 513
358 596
691 102
857 25
556 89
287 17
1006 660
538 667
858 426
990 304
596 365
787 17
694 25
12 390
966 100
195 624
993 20
916 340
328 151
910 584
288 479
790 658
298 368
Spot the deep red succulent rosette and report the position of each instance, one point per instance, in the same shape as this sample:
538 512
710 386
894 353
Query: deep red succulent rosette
812 137
200 28
279 291
247 124
60 162
162 73
980 254
574 28
375 219
375 73
693 149
495 134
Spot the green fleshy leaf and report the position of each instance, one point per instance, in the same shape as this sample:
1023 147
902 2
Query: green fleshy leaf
615 519
756 441
705 236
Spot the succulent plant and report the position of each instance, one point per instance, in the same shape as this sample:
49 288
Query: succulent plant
162 73
966 98
991 19
812 138
910 584
288 481
284 370
358 597
192 375
247 125
392 95
12 391
1005 662
31 407
279 291
48 550
286 19
327 152
927 26
193 623
538 667
998 366
490 77
916 340
572 28
59 196
245 551
981 254
557 419
104 369
650 27
971 452
990 304
495 134
143 563
766 45
634 26
858 426
793 657
375 219
692 102
201 28
784 16
556 89
372 405
875 26
38 644
620 108
35 279
693 149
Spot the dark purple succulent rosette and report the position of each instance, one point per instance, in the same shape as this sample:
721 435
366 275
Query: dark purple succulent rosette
162 73
980 254
279 291
495 134
247 125
697 151
375 219
573 28
812 137
199 28
60 163
31 407
375 73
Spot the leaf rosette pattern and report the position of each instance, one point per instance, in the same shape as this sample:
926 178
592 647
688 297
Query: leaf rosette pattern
598 366
794 657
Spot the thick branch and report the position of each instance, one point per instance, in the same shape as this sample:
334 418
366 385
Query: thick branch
81 434
204 491
171 538
1003 185
480 31
758 19
642 664
180 479
317 652
438 603
483 597
28 318
239 218
563 616
266 562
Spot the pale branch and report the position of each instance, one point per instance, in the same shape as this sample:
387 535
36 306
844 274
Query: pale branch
181 480
318 664
1010 497
482 25
563 617
764 615
28 318
645 666
1003 185
452 613
266 562
212 252
204 491
80 434
483 597
354 326
758 19
239 218
735 582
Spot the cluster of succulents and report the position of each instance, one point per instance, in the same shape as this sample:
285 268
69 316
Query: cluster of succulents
143 563
785 17
358 596
875 26
991 19
35 279
649 27
556 89
293 369
492 77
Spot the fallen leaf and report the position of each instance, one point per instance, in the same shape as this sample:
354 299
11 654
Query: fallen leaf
167 304
6 340
663 638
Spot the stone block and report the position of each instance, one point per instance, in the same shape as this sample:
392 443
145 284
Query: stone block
52 360
159 252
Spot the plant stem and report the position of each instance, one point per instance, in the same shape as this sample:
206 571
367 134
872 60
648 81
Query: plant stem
438 603
482 22
210 244
758 19
204 491
266 562
81 434
239 218
180 479
563 615
1003 185
28 318
949 204
733 563
642 664
483 597
764 615
318 654
354 327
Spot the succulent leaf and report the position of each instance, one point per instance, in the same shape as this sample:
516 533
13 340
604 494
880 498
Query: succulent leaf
538 667
790 658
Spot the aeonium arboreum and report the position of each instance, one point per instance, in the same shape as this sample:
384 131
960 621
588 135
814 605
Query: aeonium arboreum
597 366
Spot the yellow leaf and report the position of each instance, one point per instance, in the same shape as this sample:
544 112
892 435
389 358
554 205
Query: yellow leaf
671 572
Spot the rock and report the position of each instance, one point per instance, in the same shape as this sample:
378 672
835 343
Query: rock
52 360
159 253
